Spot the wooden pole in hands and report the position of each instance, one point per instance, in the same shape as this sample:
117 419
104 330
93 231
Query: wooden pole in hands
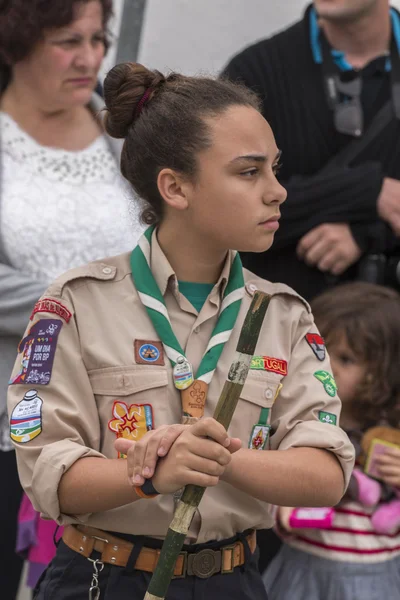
226 406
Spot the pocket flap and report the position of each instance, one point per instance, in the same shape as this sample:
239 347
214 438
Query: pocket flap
123 381
261 391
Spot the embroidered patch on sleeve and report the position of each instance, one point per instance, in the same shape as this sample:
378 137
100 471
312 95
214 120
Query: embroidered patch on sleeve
26 418
326 417
149 353
317 345
259 437
51 306
38 349
266 363
327 381
131 422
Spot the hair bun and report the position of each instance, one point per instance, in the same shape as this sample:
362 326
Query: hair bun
124 88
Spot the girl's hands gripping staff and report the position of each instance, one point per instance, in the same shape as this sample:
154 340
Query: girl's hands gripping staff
177 455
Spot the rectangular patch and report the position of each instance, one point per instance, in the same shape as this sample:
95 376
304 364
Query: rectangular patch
326 417
266 363
149 353
131 422
38 350
259 437
51 306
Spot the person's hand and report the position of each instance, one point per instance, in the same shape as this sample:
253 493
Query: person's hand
389 203
199 456
329 247
142 456
283 516
389 467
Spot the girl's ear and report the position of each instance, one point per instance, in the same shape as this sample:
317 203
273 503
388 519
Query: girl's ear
173 189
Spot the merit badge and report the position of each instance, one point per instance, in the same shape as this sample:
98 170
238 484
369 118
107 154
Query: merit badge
266 363
259 437
49 305
183 374
26 418
149 353
38 349
131 422
327 381
317 345
326 417
194 399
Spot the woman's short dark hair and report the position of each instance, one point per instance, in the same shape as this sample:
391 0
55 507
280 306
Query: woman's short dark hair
163 122
22 23
368 316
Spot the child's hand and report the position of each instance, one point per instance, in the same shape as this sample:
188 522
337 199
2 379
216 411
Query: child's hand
142 456
389 467
283 517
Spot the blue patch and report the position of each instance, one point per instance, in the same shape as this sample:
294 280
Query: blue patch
149 353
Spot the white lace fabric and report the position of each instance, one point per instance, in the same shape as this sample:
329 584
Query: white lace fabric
61 209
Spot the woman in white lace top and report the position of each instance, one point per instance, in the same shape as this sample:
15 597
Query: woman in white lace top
62 199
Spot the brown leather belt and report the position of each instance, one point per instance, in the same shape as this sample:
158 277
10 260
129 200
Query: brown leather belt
117 551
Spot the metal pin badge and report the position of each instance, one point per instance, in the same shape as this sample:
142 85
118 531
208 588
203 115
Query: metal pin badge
183 374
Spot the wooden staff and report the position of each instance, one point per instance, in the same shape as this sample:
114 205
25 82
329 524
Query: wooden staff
227 403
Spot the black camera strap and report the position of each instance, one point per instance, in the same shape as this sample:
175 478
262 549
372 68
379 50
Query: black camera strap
343 90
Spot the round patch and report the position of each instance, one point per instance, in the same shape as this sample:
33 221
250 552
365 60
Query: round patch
149 353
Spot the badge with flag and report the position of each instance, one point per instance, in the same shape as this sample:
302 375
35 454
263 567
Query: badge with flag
317 345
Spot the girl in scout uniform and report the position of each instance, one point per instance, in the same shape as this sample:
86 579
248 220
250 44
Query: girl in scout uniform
129 356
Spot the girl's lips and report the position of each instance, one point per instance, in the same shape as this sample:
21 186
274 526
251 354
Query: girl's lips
271 224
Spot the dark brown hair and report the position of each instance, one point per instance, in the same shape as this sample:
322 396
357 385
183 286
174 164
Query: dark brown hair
169 129
368 316
22 23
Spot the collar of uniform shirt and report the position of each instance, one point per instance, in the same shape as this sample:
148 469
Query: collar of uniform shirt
338 55
165 275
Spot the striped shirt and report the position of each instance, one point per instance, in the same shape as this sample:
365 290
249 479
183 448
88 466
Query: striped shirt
352 538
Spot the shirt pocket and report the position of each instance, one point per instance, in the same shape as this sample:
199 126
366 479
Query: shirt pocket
131 400
259 393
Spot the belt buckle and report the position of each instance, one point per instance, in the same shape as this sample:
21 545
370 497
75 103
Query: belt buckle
230 549
184 565
205 563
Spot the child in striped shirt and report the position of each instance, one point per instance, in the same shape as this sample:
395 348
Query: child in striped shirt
350 559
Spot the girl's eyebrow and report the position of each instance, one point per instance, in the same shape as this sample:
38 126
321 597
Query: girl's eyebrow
262 158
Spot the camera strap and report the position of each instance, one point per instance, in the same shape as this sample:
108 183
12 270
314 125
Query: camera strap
343 91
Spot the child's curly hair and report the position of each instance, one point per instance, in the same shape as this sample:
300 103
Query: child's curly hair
368 316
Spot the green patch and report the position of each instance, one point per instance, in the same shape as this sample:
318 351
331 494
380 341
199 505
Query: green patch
327 381
326 417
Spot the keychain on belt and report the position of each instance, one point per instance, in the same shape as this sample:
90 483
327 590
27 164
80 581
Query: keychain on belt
94 591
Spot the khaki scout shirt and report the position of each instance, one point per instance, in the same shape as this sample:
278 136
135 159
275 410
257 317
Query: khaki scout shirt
95 365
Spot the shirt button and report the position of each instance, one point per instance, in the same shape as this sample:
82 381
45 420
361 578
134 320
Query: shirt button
107 270
269 394
197 329
251 288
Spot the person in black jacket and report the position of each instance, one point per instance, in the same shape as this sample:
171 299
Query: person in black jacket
336 214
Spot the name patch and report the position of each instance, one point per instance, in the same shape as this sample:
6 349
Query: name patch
266 363
52 306
38 349
149 353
